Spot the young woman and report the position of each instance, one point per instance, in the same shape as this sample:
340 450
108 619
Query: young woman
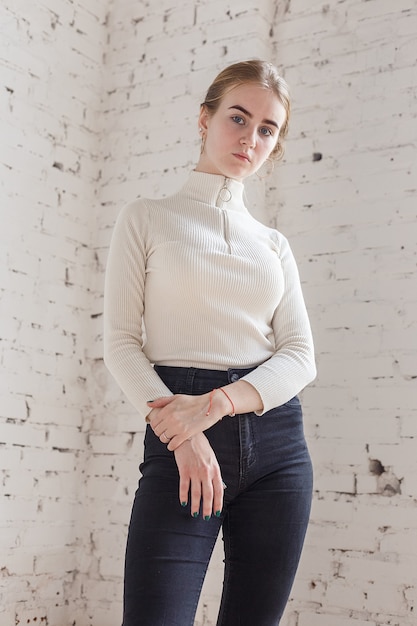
207 334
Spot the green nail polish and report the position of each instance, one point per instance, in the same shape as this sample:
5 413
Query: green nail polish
195 514
183 504
207 517
218 513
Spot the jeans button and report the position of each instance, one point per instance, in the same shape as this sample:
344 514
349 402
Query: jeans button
234 377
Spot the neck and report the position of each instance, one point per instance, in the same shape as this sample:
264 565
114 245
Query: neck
205 168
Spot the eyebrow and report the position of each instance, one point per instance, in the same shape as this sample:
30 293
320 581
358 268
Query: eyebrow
240 108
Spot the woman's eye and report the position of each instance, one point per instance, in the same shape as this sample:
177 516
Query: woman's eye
238 119
266 131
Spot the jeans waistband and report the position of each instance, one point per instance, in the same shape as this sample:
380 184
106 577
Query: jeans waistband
230 375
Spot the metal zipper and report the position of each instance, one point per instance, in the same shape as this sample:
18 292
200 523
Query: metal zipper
225 195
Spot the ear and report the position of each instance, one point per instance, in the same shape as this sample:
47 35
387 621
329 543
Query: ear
204 117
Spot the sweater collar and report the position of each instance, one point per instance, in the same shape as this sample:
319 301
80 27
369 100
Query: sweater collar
216 190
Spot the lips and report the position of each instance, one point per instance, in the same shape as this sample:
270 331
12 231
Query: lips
242 156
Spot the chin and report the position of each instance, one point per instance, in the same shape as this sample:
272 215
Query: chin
238 173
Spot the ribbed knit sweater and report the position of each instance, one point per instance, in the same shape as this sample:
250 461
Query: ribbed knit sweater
193 280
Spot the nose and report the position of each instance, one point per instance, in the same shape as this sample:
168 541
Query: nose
249 139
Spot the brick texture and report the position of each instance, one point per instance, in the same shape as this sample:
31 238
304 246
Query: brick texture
346 199
50 94
99 104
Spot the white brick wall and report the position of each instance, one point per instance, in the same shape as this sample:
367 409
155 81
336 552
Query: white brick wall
79 138
50 91
351 217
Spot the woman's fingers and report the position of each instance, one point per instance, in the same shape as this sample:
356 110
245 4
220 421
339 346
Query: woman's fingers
204 495
196 490
184 489
181 416
159 403
218 495
176 441
169 420
200 478
212 497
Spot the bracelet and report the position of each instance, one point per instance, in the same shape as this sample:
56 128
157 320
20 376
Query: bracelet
233 413
212 392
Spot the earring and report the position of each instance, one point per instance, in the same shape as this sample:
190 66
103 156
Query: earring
271 169
203 141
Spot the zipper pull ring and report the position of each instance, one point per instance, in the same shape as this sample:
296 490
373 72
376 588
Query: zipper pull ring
225 194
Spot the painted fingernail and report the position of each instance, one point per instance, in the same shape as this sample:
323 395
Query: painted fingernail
207 517
195 514
218 513
183 504
224 485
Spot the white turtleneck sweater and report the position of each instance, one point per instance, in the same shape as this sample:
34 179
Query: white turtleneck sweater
194 280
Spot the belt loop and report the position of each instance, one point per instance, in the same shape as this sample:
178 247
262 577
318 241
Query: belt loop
189 379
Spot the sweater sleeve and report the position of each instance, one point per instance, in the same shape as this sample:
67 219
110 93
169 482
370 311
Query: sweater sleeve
292 366
123 309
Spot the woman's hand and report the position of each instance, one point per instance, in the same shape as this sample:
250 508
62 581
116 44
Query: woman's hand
174 419
200 476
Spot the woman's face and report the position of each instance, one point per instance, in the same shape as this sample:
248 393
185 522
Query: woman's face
242 133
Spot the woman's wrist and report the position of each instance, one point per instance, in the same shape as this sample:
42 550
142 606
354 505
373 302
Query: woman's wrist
242 395
220 403
232 412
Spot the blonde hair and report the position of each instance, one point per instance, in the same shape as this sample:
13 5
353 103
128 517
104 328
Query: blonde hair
253 71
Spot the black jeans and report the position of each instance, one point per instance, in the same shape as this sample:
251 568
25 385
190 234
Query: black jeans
267 469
